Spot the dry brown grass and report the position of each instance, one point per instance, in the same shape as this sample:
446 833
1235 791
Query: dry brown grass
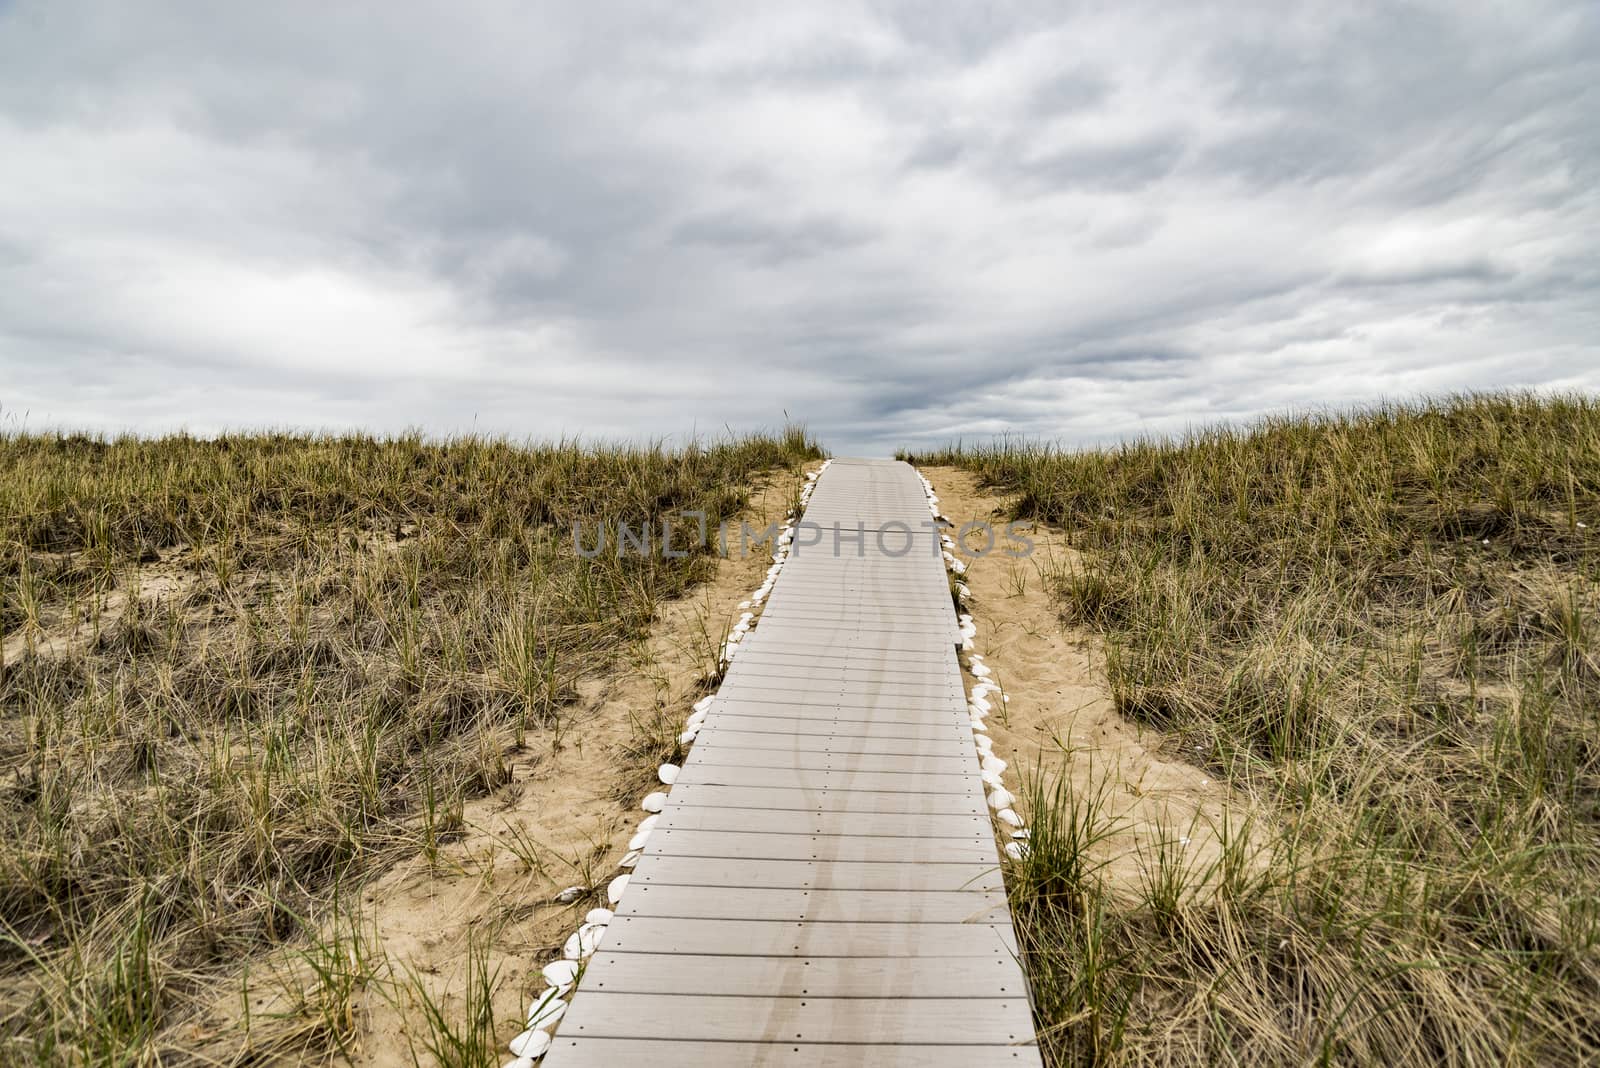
1383 627
242 676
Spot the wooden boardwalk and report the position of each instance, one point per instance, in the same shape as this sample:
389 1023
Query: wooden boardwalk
822 887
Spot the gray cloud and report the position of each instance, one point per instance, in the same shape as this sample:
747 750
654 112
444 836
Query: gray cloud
905 223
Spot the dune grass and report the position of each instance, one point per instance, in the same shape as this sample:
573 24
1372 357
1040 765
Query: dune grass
242 674
1383 627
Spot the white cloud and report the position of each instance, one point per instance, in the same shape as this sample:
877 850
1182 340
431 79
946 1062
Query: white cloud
902 223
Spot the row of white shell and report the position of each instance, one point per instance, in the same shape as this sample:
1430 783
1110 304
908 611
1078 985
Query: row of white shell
562 976
979 706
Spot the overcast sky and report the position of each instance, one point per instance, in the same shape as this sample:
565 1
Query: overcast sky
901 223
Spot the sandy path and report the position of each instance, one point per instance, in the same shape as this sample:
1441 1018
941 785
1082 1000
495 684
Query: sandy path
1060 720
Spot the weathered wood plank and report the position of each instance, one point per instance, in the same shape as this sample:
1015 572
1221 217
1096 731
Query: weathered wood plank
827 847
711 795
964 1021
876 781
818 687
949 726
947 763
716 736
610 1052
884 709
813 821
840 977
872 906
800 938
810 874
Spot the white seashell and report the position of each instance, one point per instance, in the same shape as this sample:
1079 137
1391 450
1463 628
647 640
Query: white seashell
544 1013
654 802
981 706
990 778
531 1044
994 764
966 644
694 720
630 859
589 936
1016 850
980 670
1010 816
704 703
688 736
638 840
1022 834
958 567
601 916
561 974
615 888
667 773
571 894
1000 798
984 743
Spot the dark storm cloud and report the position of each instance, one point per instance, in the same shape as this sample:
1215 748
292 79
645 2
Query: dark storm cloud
904 222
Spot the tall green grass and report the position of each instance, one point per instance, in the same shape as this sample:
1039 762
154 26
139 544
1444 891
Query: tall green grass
1382 625
250 671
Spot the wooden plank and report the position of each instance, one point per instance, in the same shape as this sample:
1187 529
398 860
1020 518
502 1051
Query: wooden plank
836 689
930 651
831 646
948 726
784 778
724 1018
821 645
840 977
824 847
850 671
800 938
716 736
810 874
886 709
812 821
610 1052
911 596
947 763
865 801
875 906
854 615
